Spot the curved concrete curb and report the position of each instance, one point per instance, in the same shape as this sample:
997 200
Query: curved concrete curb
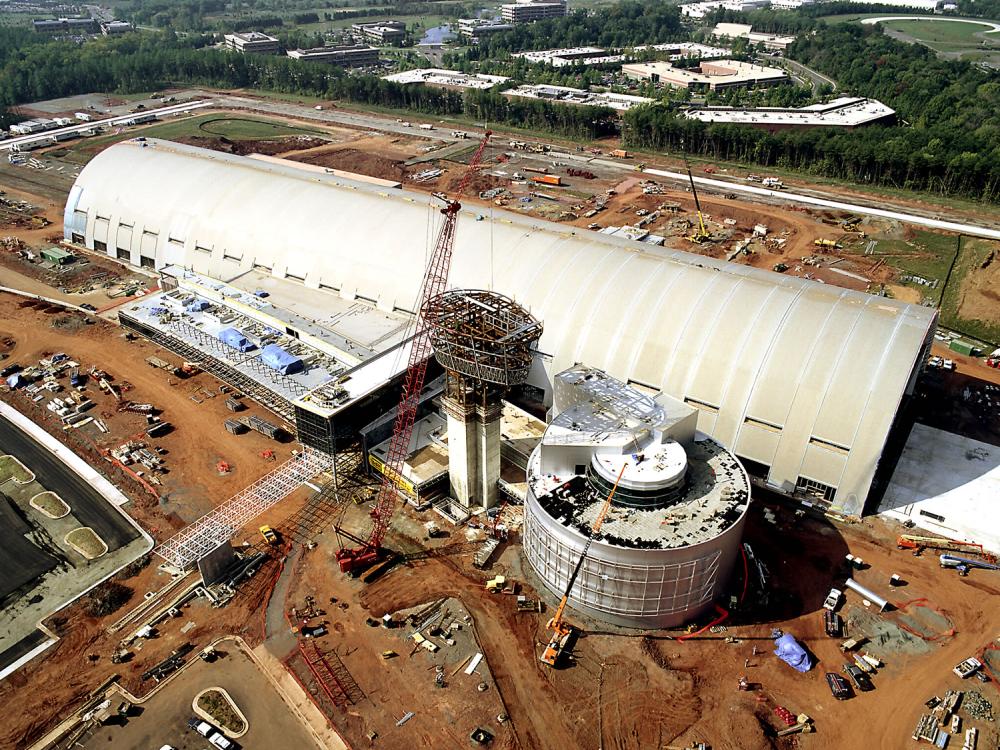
215 722
80 549
44 512
24 468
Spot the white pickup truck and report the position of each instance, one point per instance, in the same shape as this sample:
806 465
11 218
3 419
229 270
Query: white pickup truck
832 599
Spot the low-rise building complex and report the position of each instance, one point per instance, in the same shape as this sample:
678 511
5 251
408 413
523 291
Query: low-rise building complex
569 95
382 32
475 29
771 42
845 112
347 55
253 42
708 76
559 58
526 11
446 79
686 51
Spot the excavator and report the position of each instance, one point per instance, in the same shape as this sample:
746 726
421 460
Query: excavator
701 233
562 630
920 543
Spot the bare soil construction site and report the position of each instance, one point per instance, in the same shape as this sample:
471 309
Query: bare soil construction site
339 652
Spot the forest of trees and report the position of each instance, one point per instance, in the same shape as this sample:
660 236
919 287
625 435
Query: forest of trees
948 142
31 70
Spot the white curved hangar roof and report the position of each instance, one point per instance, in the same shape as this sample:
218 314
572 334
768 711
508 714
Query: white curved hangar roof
802 377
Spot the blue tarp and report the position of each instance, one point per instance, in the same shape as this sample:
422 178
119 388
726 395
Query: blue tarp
790 652
276 357
232 337
16 380
196 306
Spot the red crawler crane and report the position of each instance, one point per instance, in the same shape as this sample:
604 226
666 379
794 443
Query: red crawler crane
435 282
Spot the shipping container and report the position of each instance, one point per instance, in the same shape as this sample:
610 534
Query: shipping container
235 427
547 179
962 347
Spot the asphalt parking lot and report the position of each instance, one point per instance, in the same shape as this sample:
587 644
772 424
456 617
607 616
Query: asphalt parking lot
163 719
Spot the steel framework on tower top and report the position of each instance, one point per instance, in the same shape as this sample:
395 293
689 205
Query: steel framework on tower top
482 336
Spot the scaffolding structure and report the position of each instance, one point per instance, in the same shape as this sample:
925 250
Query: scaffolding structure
218 526
483 339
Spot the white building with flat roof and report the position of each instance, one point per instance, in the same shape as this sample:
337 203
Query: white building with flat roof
447 79
253 42
844 112
560 58
526 11
773 42
569 95
346 55
716 75
686 51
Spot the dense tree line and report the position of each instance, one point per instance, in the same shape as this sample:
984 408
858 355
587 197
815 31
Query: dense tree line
949 142
32 69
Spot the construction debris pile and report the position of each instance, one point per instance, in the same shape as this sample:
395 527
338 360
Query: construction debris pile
977 706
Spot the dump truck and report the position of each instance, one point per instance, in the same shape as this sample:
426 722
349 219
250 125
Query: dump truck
620 153
269 534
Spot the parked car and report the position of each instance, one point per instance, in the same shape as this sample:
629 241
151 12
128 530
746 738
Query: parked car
222 742
968 667
202 727
832 599
860 679
840 688
88 306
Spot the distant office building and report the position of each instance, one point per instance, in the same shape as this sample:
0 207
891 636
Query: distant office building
526 11
772 42
846 112
347 55
66 26
702 9
559 58
709 76
568 95
382 32
253 42
475 29
114 28
686 51
446 79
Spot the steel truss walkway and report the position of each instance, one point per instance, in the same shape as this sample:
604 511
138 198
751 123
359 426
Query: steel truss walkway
219 525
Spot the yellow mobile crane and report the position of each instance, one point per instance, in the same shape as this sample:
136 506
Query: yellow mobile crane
561 630
701 233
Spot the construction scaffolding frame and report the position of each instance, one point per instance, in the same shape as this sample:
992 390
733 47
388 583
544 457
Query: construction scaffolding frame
219 525
221 369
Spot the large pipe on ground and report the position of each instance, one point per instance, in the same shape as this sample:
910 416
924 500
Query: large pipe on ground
867 594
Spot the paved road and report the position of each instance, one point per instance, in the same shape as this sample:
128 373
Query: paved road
815 78
993 27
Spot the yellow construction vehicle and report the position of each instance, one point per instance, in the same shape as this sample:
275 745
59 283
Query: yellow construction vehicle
269 534
701 233
562 631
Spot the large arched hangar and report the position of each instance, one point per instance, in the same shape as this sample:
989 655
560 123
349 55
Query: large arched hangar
801 380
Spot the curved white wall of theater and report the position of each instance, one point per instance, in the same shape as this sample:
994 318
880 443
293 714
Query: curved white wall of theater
637 588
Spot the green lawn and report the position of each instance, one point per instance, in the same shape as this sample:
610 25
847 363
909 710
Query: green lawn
927 254
947 32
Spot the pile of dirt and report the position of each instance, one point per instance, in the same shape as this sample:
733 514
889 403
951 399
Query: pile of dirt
979 293
885 638
478 183
353 160
269 147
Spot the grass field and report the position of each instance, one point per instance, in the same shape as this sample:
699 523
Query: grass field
927 254
954 38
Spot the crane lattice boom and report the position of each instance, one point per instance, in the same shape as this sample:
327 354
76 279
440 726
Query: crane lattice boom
435 282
